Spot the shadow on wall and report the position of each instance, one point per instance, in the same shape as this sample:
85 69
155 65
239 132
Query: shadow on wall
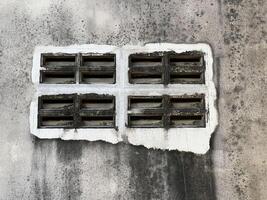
59 167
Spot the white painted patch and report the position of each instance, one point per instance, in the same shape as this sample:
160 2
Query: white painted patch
183 139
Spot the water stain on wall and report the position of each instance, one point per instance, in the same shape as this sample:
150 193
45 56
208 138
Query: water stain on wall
171 175
56 169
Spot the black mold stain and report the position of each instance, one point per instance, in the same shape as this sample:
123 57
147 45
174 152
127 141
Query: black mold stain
39 169
170 175
139 181
67 170
60 24
69 154
175 176
199 177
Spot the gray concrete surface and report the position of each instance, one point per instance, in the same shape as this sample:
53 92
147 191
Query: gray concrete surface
236 166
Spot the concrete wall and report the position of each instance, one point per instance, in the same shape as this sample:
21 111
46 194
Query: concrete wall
234 168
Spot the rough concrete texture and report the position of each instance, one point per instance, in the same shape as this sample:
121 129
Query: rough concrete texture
235 167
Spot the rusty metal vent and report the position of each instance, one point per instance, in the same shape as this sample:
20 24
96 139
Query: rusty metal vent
167 68
187 111
78 68
76 111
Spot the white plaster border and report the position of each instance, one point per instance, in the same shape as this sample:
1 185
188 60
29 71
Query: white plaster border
183 139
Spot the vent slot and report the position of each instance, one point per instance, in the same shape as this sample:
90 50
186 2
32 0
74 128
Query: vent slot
97 121
98 69
97 104
146 61
186 103
187 121
98 77
144 121
96 61
186 78
145 78
57 104
145 102
57 77
53 61
56 122
185 60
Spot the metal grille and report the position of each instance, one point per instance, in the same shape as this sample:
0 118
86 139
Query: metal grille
166 111
76 111
78 68
167 68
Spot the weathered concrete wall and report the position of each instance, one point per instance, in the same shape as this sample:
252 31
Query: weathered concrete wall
235 167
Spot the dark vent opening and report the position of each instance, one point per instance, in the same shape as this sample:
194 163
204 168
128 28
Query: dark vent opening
98 61
186 117
100 75
185 59
146 78
155 102
140 76
99 104
145 121
188 103
145 59
186 78
187 121
185 100
97 121
57 103
58 77
98 58
56 121
91 77
58 61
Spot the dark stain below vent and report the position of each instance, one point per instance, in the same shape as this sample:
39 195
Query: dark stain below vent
154 174
170 175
